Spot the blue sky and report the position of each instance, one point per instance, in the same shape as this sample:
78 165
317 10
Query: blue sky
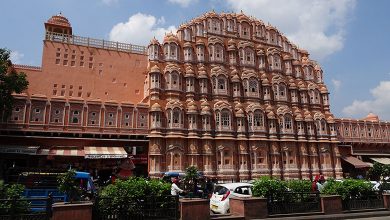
350 38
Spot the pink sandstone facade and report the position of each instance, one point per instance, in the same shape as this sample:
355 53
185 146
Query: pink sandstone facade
227 94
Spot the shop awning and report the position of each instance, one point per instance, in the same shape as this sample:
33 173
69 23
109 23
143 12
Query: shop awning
382 160
66 151
356 162
13 149
105 152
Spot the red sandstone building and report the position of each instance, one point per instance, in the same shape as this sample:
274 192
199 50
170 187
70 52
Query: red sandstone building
227 94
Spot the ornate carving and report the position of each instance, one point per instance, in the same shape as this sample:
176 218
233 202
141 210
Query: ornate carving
193 148
303 148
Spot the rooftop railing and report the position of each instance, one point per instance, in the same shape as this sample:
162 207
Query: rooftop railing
90 42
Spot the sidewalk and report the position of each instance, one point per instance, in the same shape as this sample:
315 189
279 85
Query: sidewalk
350 215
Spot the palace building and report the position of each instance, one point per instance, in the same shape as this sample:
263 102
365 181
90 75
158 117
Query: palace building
226 93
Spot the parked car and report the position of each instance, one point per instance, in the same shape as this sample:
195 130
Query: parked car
219 201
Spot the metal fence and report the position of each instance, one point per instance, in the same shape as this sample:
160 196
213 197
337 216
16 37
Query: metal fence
26 209
287 203
372 201
151 207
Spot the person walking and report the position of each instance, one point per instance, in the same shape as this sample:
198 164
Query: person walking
175 190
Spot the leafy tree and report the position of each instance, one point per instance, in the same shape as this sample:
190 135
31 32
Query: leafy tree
10 82
68 185
378 171
191 179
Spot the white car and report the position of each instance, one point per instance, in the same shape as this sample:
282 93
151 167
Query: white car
219 201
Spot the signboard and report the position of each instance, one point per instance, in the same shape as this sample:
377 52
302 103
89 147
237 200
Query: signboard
105 156
31 150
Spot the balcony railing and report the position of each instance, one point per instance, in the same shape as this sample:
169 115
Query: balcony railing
225 167
175 168
90 42
259 166
208 168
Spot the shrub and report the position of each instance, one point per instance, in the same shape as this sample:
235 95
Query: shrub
299 186
124 194
266 186
9 193
348 189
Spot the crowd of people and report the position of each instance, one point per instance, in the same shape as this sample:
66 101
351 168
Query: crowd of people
199 188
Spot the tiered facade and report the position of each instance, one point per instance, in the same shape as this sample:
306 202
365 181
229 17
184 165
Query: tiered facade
236 99
227 94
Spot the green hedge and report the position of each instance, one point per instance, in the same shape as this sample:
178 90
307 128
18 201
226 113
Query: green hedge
124 193
348 188
266 186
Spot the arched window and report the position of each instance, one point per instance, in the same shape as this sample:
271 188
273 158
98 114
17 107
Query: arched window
280 92
298 72
203 85
253 84
229 25
192 122
153 52
251 87
261 62
173 81
188 54
154 80
214 26
247 56
200 53
218 53
323 126
220 85
174 118
256 120
187 34
317 96
222 120
199 30
288 122
190 84
276 62
225 118
171 51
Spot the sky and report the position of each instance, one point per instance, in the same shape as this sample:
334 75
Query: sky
349 38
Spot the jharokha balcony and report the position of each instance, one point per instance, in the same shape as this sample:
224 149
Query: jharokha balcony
175 168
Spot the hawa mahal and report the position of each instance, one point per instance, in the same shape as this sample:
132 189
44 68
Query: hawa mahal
226 93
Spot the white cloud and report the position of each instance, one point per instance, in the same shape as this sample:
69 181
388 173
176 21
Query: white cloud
336 84
379 104
183 3
109 2
16 57
140 29
315 25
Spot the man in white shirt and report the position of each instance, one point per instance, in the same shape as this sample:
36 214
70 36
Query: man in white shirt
175 190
